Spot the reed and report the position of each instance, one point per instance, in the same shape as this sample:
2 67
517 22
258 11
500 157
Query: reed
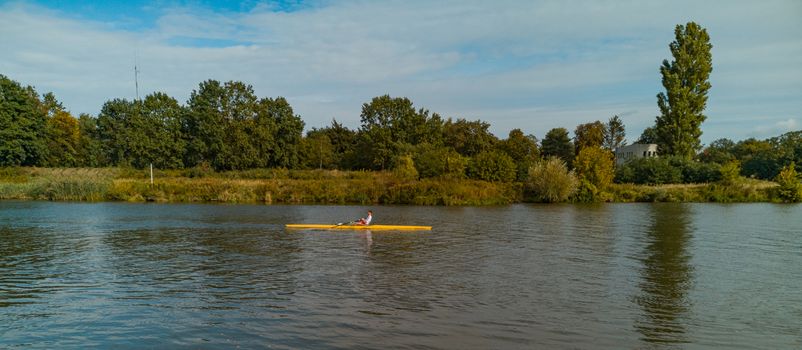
741 191
62 184
281 186
452 192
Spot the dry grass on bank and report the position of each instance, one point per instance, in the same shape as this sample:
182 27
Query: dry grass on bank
269 186
274 186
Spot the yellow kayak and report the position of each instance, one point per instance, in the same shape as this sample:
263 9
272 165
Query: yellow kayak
357 227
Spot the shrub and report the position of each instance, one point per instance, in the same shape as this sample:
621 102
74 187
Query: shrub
789 190
404 168
586 192
522 170
440 162
651 171
698 172
203 169
694 171
730 172
762 165
550 181
494 166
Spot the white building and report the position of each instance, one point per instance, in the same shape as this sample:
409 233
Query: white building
637 150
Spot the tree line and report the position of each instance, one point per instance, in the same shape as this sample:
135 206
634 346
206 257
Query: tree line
225 126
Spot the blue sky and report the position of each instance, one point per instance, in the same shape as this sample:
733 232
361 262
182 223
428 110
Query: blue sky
533 65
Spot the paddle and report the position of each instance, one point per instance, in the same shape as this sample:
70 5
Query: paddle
343 223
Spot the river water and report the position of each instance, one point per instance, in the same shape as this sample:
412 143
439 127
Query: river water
612 276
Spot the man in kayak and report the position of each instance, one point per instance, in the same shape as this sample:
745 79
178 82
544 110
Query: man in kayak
366 221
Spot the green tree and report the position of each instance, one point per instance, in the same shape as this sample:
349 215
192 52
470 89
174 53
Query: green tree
390 126
343 143
240 108
648 136
228 127
558 144
589 135
379 120
288 132
61 133
758 158
142 132
385 122
50 105
614 134
118 131
205 124
431 161
788 148
63 138
494 166
161 125
23 138
316 151
686 80
468 138
341 137
522 149
719 151
90 153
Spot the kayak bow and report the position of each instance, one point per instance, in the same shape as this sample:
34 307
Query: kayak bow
357 227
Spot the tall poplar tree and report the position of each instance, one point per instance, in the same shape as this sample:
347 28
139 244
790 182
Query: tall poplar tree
686 80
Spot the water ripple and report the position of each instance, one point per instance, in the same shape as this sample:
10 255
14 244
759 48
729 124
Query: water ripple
616 276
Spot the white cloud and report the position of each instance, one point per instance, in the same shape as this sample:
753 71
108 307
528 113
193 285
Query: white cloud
530 65
775 128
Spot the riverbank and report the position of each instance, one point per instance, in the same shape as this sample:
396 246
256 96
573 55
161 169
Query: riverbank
269 186
281 186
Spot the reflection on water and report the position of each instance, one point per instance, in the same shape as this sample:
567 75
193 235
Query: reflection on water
616 276
205 268
368 240
666 275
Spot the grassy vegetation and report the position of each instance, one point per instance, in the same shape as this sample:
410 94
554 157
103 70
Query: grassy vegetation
745 190
60 184
274 186
269 186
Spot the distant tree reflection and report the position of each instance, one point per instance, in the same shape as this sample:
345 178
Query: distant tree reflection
666 275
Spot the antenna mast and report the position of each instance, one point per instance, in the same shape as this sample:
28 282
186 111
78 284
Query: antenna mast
136 77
